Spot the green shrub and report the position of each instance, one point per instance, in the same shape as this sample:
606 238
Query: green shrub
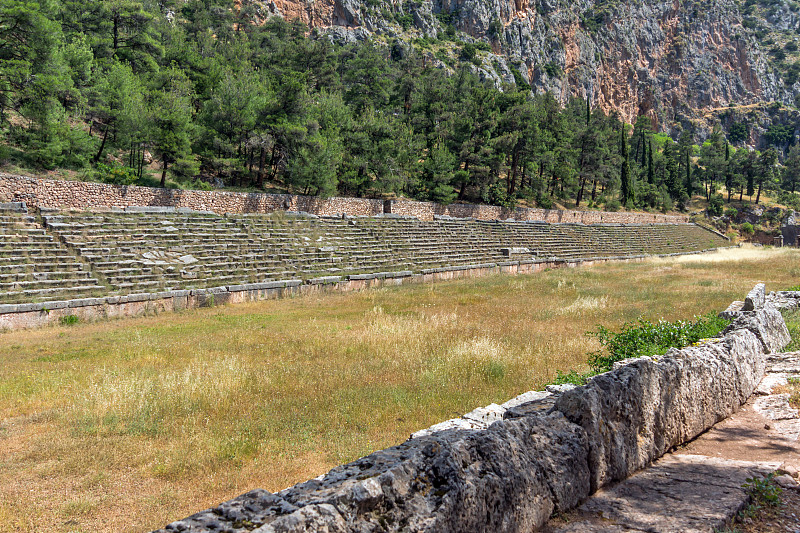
572 377
747 229
715 206
764 492
405 20
553 70
644 338
544 201
496 195
115 174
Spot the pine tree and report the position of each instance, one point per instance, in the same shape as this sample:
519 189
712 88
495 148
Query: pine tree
651 172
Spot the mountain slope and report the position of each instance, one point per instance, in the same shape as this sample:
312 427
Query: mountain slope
670 61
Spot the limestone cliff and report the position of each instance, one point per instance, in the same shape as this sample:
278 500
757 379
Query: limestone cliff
671 60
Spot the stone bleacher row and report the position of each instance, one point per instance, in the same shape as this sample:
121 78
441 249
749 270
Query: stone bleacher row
72 254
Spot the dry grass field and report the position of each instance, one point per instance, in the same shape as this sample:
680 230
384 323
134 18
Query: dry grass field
130 424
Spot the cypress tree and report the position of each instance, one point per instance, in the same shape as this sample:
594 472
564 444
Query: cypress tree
728 174
588 111
625 171
651 172
688 175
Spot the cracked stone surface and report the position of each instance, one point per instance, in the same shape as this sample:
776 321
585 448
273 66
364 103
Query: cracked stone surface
775 407
678 494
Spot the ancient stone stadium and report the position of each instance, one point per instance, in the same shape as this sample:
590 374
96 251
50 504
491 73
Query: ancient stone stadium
111 261
86 253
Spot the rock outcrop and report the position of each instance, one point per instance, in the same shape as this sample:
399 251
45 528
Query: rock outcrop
671 61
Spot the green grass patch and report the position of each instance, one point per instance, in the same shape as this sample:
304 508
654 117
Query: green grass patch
792 319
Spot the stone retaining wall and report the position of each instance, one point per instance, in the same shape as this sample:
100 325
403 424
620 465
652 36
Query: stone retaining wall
40 314
428 210
40 193
35 315
509 467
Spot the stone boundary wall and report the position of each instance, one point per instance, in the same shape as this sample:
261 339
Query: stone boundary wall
429 210
509 467
35 315
86 195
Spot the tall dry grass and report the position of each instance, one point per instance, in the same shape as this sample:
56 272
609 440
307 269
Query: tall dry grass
127 425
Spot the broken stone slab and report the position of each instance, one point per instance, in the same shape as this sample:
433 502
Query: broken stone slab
486 415
678 494
325 280
788 362
784 299
771 381
775 407
789 428
768 325
536 407
508 252
526 397
447 425
755 298
18 207
558 389
732 311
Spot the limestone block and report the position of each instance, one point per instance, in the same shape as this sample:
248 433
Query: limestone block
526 397
634 414
486 415
732 311
323 518
510 477
767 324
755 298
671 497
771 381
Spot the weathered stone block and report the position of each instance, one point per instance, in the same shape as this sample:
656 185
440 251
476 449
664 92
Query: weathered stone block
755 298
768 325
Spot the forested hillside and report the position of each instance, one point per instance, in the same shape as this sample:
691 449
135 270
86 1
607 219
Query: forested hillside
200 92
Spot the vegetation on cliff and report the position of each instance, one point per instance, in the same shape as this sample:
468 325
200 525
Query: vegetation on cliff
200 92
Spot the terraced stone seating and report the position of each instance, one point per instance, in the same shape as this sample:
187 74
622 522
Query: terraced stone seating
424 245
574 241
36 267
152 250
147 252
322 246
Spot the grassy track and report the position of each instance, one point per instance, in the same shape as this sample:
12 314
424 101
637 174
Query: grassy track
127 425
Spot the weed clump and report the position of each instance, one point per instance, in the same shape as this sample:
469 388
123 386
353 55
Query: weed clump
69 320
645 338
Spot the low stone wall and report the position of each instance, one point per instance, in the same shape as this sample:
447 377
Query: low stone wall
509 467
85 195
428 210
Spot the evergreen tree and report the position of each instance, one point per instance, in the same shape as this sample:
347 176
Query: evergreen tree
791 171
626 189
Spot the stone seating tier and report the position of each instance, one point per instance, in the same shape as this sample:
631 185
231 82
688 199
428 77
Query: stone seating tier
75 254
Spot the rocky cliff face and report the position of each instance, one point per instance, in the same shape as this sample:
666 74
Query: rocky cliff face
671 60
